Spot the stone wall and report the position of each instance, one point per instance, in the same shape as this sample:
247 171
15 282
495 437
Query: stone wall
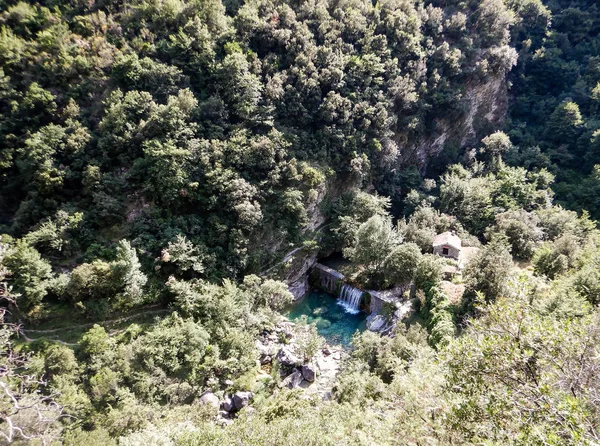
330 280
381 319
453 252
377 302
327 279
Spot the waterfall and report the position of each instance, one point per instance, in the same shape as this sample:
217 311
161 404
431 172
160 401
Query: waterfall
333 282
350 298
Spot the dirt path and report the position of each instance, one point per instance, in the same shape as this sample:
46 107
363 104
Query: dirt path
107 321
28 339
24 332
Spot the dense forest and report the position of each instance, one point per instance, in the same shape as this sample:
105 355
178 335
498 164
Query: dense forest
161 159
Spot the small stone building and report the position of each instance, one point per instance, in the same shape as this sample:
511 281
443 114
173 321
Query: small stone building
447 245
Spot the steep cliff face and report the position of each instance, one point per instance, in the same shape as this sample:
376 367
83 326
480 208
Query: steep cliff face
296 264
486 103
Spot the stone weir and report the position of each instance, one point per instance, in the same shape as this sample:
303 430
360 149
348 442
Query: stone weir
354 299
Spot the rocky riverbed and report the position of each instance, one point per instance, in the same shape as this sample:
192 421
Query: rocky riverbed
282 364
315 375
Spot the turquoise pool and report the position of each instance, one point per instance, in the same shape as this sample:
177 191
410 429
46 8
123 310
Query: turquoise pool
333 321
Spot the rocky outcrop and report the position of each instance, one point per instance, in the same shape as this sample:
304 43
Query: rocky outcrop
316 376
266 352
241 399
299 288
293 270
293 380
227 404
230 405
316 218
294 267
286 358
486 103
309 372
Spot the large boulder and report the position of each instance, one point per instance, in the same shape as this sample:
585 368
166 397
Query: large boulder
309 372
287 358
241 399
210 398
294 380
227 404
376 323
266 352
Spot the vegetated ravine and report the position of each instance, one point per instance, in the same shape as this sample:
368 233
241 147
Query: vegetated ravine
189 161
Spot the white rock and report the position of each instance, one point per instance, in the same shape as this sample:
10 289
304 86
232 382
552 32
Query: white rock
294 380
376 323
210 398
286 358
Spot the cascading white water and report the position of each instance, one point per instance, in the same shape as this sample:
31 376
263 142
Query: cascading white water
350 298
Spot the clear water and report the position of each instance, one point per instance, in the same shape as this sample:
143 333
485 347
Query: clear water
350 299
333 322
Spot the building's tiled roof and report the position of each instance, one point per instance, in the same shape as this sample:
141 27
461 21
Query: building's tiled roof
447 238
